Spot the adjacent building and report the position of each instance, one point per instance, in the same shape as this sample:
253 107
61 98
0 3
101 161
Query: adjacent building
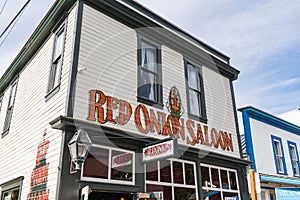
157 104
272 146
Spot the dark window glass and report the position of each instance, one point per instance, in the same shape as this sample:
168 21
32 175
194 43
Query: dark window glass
195 91
96 163
224 179
11 101
165 171
189 174
152 171
55 71
12 194
121 168
205 176
212 194
215 178
149 83
167 190
177 172
184 193
232 178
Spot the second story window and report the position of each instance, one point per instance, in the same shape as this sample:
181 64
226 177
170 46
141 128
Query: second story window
149 74
294 158
55 71
195 92
10 106
278 155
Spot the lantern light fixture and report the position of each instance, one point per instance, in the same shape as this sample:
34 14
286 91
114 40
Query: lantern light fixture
79 147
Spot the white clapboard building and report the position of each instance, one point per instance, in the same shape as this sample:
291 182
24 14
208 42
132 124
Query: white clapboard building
272 146
157 104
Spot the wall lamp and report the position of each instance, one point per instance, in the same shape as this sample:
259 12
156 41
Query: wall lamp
79 147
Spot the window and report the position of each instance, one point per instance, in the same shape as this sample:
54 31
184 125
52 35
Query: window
294 157
104 163
278 155
1 99
12 189
10 106
149 74
195 92
56 65
176 178
219 183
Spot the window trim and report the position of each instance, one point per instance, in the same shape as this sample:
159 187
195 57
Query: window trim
203 116
290 143
10 106
159 102
278 139
112 181
62 29
15 183
237 191
172 183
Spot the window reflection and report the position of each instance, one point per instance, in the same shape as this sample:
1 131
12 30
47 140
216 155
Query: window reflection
165 171
96 163
152 171
177 172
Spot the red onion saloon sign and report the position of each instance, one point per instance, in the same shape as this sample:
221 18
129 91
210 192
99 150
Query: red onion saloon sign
108 109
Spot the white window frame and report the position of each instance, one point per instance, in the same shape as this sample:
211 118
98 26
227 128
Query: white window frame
12 185
221 190
172 184
104 180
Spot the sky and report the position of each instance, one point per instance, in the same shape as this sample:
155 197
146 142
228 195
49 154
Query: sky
262 38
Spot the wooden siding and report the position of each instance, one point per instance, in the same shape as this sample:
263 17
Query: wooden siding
263 150
32 114
108 57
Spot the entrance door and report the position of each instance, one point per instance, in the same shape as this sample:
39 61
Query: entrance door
110 196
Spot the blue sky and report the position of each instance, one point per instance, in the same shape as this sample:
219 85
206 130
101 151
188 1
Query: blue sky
261 37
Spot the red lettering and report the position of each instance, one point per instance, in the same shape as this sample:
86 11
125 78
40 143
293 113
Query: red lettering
125 112
112 104
138 122
227 140
155 122
95 106
206 136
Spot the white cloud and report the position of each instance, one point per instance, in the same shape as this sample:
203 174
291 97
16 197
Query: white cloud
280 84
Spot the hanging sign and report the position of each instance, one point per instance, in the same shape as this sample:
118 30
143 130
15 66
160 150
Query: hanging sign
162 150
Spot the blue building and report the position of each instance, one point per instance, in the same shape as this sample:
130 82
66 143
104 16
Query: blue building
272 146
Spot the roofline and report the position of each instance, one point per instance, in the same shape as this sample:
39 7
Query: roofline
60 7
283 124
35 40
168 24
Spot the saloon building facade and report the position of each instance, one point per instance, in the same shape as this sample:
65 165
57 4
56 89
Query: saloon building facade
272 146
157 104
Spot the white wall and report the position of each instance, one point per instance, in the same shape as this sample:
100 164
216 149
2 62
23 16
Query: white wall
108 55
263 150
32 114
